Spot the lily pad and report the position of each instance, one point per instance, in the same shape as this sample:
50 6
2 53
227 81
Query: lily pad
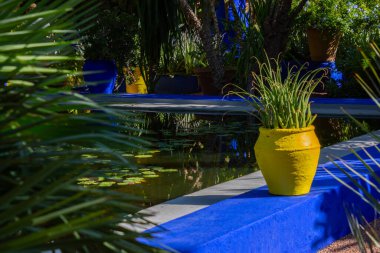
151 176
153 151
89 156
116 177
124 183
134 180
84 179
88 182
143 156
148 173
162 170
106 184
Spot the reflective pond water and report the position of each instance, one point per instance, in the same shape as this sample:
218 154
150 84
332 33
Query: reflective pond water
191 152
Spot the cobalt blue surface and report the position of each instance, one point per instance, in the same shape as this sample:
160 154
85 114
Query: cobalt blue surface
103 80
228 33
259 222
333 72
343 101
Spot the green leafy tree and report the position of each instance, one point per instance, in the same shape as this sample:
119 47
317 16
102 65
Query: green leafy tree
270 23
204 22
159 22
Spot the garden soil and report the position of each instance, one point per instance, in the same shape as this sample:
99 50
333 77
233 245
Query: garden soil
348 244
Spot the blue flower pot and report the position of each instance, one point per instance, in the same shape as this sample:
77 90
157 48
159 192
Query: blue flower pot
177 84
104 80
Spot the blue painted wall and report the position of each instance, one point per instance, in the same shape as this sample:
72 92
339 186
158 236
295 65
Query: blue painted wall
259 222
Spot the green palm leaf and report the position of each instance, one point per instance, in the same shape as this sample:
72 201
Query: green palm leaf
365 234
45 149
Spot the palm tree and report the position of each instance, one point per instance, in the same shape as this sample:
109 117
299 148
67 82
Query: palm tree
205 24
47 144
273 18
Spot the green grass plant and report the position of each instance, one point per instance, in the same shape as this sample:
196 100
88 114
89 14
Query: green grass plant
366 187
282 102
371 67
186 55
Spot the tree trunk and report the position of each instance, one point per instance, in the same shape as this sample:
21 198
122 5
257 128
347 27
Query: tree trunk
277 26
211 43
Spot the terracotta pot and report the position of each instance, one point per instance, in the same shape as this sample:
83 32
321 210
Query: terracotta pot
288 159
323 45
205 80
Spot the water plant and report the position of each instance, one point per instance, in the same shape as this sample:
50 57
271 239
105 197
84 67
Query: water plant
281 94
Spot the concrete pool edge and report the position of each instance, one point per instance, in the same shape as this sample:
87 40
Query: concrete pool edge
230 105
193 202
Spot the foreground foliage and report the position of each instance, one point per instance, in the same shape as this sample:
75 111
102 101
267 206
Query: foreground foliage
365 186
44 149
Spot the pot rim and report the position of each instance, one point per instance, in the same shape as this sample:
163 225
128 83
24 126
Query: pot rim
208 69
287 130
326 31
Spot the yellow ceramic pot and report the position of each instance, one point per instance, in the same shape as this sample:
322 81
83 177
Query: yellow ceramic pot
288 159
139 86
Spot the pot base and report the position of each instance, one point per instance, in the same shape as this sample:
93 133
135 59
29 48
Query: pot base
205 80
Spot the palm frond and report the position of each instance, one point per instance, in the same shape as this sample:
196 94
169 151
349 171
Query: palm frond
365 234
45 147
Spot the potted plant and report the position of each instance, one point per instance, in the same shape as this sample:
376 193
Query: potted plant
201 17
287 150
158 21
178 74
205 76
326 21
109 46
134 80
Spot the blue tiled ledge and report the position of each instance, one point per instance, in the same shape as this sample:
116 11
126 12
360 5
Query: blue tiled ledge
259 222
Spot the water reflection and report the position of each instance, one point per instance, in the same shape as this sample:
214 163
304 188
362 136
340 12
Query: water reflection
203 150
189 152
